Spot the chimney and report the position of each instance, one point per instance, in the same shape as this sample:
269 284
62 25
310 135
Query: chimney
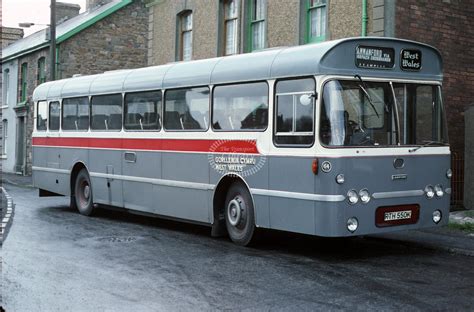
92 4
10 35
65 11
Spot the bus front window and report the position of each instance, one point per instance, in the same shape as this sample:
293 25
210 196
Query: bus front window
356 113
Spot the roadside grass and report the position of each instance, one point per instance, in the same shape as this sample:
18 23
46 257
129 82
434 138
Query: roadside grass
465 227
469 213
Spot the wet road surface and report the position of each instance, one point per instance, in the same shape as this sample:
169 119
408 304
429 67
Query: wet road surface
57 260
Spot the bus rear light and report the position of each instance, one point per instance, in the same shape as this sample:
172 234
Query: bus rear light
314 166
352 197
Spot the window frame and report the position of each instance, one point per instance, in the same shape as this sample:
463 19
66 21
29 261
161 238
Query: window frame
160 112
309 8
90 113
275 111
49 116
41 71
23 82
6 87
252 22
224 22
4 137
209 87
240 83
181 31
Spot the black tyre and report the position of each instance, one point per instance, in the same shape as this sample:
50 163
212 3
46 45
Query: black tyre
239 214
83 193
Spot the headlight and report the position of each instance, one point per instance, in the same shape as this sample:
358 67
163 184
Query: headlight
364 196
352 224
437 216
429 191
449 173
439 190
340 179
352 197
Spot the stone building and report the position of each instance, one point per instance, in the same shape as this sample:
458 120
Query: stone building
195 29
110 35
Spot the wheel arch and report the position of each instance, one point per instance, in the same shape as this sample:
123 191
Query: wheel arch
78 166
218 201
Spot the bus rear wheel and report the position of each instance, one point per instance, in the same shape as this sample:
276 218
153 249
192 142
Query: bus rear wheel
83 193
239 214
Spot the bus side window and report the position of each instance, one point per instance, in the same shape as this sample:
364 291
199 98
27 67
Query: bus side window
75 114
143 111
106 112
54 114
42 116
294 112
187 109
240 107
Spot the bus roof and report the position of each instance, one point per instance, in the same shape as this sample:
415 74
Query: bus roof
336 57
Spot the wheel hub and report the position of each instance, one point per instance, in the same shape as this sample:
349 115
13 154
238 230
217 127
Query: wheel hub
236 211
87 192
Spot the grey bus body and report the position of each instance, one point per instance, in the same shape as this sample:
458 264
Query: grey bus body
301 188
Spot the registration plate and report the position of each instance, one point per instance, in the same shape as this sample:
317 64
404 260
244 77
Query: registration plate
398 215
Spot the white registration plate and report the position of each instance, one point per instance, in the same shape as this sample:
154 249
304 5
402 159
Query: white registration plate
397 215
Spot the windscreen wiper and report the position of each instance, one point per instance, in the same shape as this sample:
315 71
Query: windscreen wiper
367 95
426 143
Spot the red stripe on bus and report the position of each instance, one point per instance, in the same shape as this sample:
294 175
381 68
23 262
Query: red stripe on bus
179 145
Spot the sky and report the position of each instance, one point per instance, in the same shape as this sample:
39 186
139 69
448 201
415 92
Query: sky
34 11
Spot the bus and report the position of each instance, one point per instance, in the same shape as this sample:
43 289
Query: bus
335 139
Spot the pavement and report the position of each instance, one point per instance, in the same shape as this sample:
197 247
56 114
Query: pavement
450 238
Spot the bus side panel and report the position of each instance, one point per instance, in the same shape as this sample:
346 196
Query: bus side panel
53 180
291 174
140 195
106 190
188 200
68 158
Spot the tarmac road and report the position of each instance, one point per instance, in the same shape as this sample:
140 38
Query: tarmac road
57 260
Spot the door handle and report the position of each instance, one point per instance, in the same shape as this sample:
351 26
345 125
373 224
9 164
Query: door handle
130 157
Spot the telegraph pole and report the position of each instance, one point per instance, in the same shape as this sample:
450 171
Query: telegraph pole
52 44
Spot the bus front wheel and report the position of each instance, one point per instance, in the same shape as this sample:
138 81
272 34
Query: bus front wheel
239 214
83 193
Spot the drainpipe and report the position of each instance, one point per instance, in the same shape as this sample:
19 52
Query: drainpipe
364 18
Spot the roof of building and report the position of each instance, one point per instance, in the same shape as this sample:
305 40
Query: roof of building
328 58
64 31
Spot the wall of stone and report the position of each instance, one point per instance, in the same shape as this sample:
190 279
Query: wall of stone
116 42
345 18
469 159
448 25
283 27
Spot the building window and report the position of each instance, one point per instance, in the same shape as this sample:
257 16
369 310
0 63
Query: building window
185 36
41 75
23 83
257 24
231 26
6 86
4 136
316 20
